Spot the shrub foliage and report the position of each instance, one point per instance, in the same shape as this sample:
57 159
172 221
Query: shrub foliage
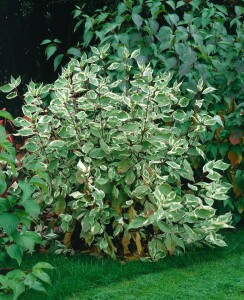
194 39
120 162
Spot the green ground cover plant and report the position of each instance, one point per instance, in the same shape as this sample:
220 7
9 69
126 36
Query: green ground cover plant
18 213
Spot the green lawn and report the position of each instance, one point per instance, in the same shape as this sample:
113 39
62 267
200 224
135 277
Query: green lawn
200 274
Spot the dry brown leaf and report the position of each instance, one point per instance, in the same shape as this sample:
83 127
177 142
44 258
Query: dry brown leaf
67 239
125 243
234 158
236 136
137 239
235 188
131 212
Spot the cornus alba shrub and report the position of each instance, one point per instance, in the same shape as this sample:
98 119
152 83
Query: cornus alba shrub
120 163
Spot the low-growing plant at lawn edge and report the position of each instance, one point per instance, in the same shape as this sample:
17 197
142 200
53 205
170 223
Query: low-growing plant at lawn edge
18 213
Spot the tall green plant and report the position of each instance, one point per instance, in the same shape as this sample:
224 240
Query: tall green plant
197 39
120 162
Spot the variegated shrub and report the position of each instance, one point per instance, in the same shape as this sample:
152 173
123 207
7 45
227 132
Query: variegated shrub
119 158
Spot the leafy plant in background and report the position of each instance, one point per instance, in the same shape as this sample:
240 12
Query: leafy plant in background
18 213
120 162
194 39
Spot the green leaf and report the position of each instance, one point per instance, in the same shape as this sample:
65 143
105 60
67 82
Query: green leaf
19 288
12 95
95 50
44 42
34 236
31 207
98 196
208 90
82 167
220 165
141 191
164 189
114 66
222 8
9 222
200 84
43 276
137 222
87 147
15 82
204 212
179 115
57 144
179 242
4 204
42 265
37 181
3 184
7 88
124 165
137 19
97 153
184 102
50 50
171 3
173 165
14 252
130 177
162 100
27 188
57 61
28 243
37 285
174 18
87 38
218 119
31 146
239 10
164 227
180 3
121 8
192 187
74 51
210 122
6 115
135 53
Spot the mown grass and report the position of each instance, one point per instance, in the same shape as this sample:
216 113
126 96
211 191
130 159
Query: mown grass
204 274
